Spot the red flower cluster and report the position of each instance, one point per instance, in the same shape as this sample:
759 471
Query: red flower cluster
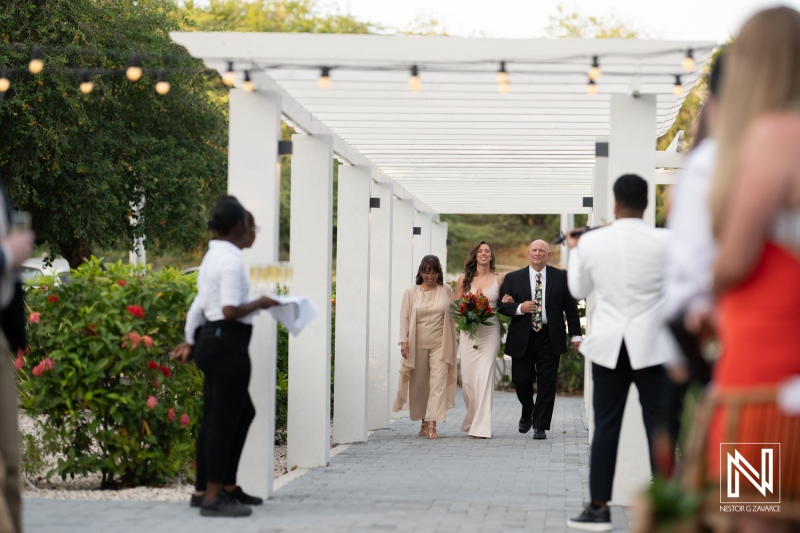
43 366
20 362
152 365
171 414
35 318
53 299
136 310
122 283
166 371
152 401
185 420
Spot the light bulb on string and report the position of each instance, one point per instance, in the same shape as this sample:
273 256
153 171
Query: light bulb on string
5 83
36 65
591 88
594 70
324 80
86 83
134 71
688 62
248 86
502 79
677 89
413 82
162 85
229 78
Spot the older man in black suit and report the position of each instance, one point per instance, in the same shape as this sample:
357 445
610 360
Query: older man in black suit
537 300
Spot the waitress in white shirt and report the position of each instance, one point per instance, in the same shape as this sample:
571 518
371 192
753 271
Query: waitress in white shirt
221 353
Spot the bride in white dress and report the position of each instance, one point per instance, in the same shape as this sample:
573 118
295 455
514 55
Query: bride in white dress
478 365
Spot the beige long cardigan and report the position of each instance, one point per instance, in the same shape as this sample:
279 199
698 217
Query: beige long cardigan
408 333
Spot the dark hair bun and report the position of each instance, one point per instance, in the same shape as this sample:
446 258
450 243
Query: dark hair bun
225 215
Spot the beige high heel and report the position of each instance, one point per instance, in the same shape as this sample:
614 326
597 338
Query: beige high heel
423 430
432 431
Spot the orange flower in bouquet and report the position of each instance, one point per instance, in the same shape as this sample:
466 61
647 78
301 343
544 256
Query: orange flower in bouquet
470 311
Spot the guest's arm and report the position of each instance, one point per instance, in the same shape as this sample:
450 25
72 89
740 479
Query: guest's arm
405 313
507 309
766 168
579 280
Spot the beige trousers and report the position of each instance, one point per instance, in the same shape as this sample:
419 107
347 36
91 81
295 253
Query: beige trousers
428 386
9 444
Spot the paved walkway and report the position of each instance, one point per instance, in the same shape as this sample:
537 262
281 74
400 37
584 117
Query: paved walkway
395 482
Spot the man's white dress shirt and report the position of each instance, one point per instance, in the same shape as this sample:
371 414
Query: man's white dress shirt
692 246
624 265
532 273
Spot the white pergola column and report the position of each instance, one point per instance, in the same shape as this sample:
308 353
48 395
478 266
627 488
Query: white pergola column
253 177
352 306
632 150
598 216
422 242
567 223
632 145
439 242
381 303
309 416
403 271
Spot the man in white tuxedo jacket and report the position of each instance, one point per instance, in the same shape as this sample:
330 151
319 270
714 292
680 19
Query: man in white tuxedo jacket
623 264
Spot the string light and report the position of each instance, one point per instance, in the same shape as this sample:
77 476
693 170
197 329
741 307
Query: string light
413 82
502 78
594 70
229 78
134 71
677 89
324 80
5 83
36 65
162 85
86 84
591 88
688 62
248 86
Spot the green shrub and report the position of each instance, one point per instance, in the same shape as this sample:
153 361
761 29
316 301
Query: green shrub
98 379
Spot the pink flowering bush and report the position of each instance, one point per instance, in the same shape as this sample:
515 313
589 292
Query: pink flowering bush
99 379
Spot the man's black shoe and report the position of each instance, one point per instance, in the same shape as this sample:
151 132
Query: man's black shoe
242 497
196 501
592 519
539 434
524 425
224 505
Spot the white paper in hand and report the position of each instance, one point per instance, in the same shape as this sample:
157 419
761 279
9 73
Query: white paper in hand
294 312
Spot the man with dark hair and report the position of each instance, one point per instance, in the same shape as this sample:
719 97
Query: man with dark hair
15 247
624 265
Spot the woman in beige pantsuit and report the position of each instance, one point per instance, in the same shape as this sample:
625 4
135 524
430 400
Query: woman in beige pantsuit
428 371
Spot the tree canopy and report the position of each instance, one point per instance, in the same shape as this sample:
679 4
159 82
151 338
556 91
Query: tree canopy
79 162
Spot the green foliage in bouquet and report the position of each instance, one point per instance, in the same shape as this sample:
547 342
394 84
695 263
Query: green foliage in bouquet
98 379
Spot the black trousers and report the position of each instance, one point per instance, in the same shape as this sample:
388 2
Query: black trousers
539 362
611 389
221 353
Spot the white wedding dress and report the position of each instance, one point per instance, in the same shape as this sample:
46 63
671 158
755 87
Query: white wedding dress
477 371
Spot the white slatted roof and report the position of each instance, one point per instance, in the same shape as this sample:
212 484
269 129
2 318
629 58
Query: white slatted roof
459 145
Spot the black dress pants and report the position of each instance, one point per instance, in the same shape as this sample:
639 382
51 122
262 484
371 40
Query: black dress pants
611 389
221 353
539 362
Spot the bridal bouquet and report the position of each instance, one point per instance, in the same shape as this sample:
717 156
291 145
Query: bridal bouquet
469 311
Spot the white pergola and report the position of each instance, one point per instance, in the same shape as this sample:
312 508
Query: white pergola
458 145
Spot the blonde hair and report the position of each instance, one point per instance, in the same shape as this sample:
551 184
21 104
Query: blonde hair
761 75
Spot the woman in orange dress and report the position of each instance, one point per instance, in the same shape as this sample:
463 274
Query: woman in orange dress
755 208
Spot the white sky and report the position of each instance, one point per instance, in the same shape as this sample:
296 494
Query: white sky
660 19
